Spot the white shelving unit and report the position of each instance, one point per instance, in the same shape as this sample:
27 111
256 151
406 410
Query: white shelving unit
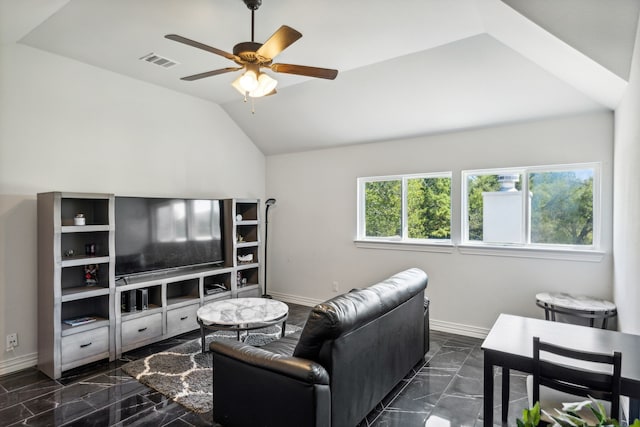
246 243
64 251
172 298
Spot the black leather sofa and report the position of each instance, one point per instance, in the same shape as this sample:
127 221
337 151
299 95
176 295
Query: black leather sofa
352 351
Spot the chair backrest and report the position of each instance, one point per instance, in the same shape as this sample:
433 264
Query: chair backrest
566 377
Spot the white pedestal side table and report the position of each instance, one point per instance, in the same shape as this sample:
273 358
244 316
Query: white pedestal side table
576 305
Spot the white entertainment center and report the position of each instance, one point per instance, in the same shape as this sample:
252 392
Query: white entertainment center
85 314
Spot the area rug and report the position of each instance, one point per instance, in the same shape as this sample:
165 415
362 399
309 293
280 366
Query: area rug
184 374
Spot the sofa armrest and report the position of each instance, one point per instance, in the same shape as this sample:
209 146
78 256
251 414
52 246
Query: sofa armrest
294 367
279 390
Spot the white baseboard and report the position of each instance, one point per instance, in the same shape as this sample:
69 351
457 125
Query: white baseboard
18 363
436 325
295 299
458 328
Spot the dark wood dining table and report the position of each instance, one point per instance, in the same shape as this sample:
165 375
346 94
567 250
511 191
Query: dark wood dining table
509 345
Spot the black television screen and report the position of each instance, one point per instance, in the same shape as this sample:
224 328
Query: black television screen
155 234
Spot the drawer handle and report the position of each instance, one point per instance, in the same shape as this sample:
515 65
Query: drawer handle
184 318
142 330
85 345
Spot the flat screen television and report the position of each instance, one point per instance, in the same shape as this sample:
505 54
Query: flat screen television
158 234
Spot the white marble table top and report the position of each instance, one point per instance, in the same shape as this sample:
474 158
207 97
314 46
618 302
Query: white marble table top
236 311
575 302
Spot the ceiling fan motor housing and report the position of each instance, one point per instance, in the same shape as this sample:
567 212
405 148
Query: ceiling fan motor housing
246 51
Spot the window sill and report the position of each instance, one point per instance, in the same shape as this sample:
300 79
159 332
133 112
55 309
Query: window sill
404 246
530 252
487 250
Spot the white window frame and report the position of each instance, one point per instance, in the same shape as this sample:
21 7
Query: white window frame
402 242
525 239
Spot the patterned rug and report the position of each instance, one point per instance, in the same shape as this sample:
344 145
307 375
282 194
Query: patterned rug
184 374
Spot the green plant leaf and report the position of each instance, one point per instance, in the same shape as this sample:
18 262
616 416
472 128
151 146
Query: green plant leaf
536 414
530 417
575 406
568 416
569 419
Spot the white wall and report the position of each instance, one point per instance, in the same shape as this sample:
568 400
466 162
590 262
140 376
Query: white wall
313 224
68 126
627 202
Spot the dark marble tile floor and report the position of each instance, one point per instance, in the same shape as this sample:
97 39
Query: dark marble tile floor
445 390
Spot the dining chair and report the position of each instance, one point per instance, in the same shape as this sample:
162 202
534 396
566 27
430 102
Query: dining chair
563 375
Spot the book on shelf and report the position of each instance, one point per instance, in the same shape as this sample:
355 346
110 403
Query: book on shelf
214 289
80 320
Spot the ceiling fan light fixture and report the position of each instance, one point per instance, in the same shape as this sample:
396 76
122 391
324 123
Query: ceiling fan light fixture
249 81
266 85
236 85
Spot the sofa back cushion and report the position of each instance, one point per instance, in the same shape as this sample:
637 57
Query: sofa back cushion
344 313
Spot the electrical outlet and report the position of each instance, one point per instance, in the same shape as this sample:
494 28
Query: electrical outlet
12 341
335 286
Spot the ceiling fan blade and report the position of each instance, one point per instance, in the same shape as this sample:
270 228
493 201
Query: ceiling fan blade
284 37
199 45
303 70
211 73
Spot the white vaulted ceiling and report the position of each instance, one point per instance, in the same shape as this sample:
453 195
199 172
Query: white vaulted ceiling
407 67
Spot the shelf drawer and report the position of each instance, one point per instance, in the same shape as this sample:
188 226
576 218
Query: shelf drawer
85 345
182 320
141 329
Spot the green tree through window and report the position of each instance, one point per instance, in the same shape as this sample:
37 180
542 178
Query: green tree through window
383 207
429 208
562 207
478 184
425 214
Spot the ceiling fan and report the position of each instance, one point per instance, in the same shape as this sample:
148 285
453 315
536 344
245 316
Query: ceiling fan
253 57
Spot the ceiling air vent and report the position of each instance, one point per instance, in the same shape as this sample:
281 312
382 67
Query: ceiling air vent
159 60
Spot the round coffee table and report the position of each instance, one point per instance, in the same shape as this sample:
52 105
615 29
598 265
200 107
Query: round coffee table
241 314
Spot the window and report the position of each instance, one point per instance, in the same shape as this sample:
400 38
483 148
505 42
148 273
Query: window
537 206
405 208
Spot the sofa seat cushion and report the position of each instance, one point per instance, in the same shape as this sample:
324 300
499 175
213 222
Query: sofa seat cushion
349 311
